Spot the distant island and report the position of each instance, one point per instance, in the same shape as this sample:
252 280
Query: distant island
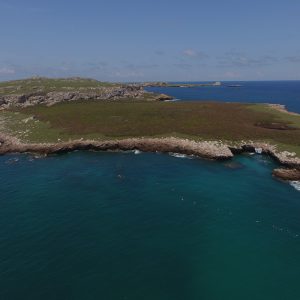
48 116
188 85
181 85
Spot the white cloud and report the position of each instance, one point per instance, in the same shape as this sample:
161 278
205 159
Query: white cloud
192 53
7 71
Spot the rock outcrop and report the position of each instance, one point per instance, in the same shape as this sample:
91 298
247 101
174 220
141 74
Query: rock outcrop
287 174
289 161
163 97
50 98
285 158
209 150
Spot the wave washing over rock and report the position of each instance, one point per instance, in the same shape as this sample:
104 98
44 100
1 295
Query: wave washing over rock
179 155
295 184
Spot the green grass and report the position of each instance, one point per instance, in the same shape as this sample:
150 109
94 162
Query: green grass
44 85
196 120
15 124
293 119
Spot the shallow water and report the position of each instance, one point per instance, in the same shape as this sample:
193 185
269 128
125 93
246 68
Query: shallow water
279 92
93 225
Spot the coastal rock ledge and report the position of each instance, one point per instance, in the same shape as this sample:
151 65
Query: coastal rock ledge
204 149
287 174
215 150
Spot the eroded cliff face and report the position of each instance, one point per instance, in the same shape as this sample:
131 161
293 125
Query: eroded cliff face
50 98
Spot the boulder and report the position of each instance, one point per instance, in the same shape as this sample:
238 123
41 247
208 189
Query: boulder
163 97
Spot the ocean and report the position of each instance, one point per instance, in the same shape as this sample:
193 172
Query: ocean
116 226
88 225
278 92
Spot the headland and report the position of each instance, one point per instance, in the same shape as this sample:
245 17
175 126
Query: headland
50 116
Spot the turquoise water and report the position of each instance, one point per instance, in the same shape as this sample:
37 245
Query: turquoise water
114 226
279 92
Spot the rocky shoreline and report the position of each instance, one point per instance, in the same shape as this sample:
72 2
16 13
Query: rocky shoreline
214 150
282 108
209 150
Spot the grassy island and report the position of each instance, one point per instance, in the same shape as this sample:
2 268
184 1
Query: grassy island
142 116
124 119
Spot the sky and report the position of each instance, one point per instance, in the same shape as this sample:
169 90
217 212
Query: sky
157 40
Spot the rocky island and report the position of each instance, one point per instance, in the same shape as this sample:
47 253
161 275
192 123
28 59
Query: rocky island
49 116
23 93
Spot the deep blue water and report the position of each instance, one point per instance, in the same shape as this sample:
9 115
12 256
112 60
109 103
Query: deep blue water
279 92
122 226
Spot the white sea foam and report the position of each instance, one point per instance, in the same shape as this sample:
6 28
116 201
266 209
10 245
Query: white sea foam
137 152
295 184
172 100
179 155
258 150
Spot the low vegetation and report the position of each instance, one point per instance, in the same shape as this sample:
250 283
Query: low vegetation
45 85
195 120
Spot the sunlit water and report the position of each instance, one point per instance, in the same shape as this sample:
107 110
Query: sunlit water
114 226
